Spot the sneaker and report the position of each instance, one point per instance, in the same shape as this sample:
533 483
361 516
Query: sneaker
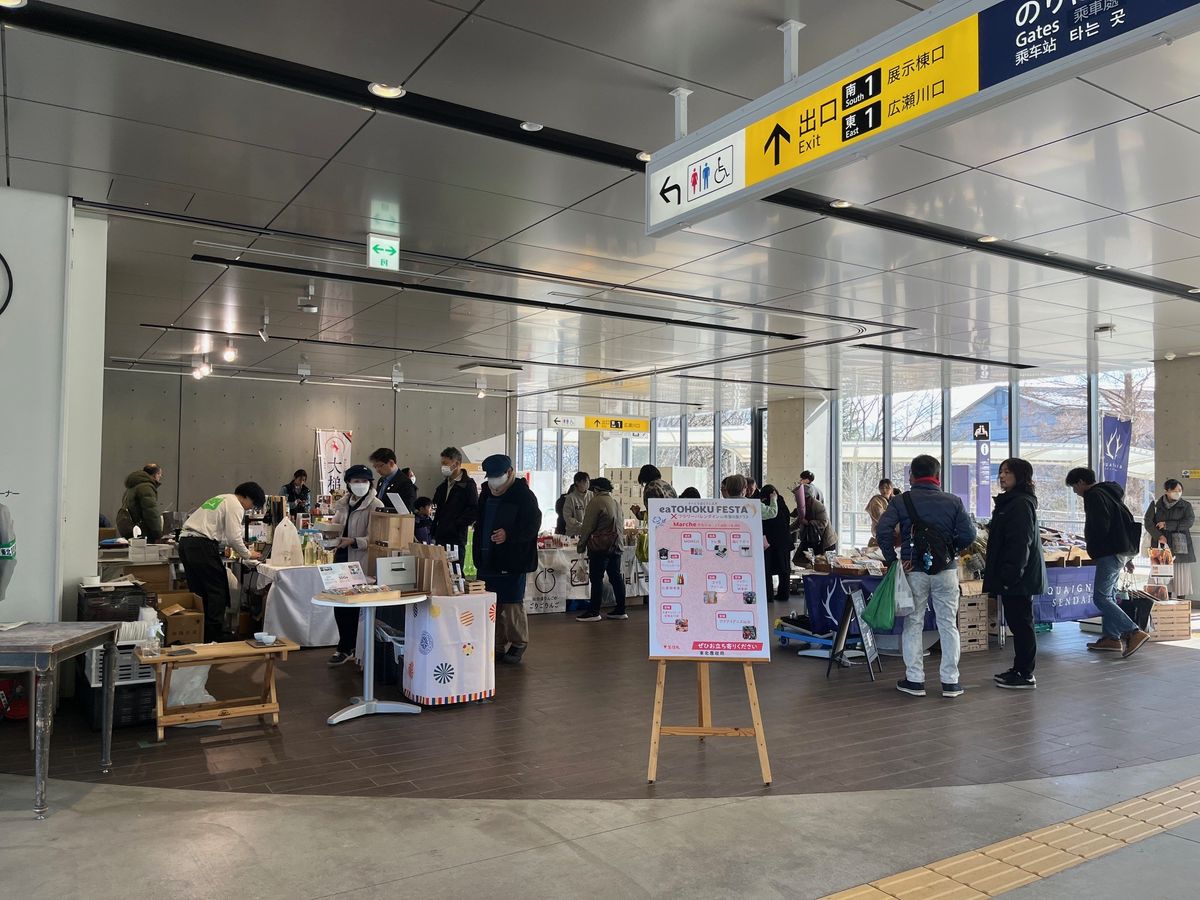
588 617
1015 681
1002 676
340 659
1133 642
513 656
1107 645
912 688
952 690
613 615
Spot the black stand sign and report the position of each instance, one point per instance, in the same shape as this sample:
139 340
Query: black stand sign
855 609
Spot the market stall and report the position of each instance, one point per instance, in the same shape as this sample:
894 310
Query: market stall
290 612
561 581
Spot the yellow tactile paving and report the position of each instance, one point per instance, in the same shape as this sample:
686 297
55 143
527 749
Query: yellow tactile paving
1006 865
862 892
925 884
1122 828
983 873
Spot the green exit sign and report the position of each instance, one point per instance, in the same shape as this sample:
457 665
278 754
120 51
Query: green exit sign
383 252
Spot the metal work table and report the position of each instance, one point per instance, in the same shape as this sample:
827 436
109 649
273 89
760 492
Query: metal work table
42 646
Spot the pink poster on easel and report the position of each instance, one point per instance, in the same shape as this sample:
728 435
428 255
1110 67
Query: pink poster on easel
707 580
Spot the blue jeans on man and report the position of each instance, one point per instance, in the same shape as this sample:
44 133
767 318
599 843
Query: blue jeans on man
1104 594
940 591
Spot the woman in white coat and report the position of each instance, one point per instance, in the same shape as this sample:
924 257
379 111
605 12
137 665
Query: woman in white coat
353 513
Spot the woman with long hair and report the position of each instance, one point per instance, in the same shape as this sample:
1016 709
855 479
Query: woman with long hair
1014 570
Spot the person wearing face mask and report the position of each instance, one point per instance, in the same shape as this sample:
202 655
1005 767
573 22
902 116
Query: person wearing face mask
456 503
1169 522
353 513
505 551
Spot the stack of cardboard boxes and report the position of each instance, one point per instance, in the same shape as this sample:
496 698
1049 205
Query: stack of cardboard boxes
627 491
972 620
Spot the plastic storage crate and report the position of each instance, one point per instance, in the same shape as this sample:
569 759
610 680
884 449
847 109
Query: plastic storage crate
133 704
129 670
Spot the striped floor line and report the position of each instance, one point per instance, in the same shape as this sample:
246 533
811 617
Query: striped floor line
1008 865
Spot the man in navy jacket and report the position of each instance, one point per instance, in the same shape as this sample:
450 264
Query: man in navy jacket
943 513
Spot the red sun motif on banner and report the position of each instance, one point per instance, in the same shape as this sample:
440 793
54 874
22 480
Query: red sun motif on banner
492 612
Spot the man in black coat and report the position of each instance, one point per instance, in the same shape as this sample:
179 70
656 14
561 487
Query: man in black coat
1111 546
505 551
455 501
778 553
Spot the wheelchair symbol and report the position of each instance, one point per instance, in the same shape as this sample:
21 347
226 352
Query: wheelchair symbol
721 173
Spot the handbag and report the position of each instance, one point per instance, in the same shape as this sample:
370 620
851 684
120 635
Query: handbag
905 602
1179 543
603 540
642 550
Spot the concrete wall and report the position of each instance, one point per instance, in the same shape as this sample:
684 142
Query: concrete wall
1176 425
797 439
212 434
50 366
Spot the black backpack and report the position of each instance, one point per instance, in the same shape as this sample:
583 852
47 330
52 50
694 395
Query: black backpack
1129 528
932 551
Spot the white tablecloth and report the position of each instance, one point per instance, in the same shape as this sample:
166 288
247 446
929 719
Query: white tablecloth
290 611
449 648
562 575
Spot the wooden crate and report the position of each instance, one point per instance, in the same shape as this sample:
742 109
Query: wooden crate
972 640
391 530
476 587
1171 621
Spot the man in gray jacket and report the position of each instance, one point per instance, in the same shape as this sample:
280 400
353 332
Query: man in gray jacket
934 527
575 503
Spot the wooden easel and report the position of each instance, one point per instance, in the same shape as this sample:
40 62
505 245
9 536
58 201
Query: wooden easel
433 570
705 727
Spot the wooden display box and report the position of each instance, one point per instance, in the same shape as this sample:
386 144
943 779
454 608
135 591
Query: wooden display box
391 530
1171 621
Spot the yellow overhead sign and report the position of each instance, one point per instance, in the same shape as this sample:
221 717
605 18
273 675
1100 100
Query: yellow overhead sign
607 423
933 72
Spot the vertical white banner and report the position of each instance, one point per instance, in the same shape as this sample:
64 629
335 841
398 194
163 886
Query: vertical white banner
333 458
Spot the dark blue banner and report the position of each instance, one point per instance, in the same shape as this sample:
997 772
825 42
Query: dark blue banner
1117 435
1016 36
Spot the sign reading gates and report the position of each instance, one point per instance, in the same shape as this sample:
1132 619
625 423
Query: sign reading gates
990 54
708 596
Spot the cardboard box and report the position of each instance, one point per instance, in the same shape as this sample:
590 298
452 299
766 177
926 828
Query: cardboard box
182 616
391 530
973 643
970 588
1171 621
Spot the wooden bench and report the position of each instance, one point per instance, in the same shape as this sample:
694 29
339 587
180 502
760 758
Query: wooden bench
265 705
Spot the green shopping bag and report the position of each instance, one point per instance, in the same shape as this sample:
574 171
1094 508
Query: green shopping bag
880 613
642 549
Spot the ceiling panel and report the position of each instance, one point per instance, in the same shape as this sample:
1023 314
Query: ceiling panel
986 272
1064 109
91 141
883 173
1122 241
859 244
436 153
707 286
1139 162
416 203
374 43
416 237
1095 295
1182 215
562 86
592 235
778 268
541 259
1155 77
144 89
691 39
985 203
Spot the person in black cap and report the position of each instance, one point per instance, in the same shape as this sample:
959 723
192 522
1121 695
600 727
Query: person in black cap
220 521
353 513
505 551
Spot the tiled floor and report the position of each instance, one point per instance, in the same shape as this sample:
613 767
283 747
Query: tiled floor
573 722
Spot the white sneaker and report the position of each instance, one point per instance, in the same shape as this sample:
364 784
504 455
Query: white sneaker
617 616
588 617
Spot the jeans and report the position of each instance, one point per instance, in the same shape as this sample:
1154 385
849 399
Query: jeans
1104 595
942 590
1018 615
599 565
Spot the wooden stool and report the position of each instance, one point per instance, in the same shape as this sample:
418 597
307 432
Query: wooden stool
266 705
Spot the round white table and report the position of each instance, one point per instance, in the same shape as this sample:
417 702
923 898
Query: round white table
367 705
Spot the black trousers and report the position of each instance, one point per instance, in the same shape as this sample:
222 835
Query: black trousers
599 565
1018 611
206 578
779 562
347 626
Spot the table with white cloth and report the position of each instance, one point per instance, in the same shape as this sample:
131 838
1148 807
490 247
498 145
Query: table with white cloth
290 612
562 577
449 649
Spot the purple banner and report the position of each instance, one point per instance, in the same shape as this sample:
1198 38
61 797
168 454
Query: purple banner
1117 434
983 479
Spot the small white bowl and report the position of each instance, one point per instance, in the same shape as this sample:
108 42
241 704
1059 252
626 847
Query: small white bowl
264 637
91 580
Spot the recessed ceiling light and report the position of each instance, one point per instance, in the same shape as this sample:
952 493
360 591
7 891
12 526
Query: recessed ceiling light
1194 353
13 4
988 239
1194 290
1103 268
643 156
531 126
1050 253
841 204
387 91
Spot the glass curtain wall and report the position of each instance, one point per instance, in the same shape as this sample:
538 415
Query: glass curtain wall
1054 438
975 465
916 429
736 441
1129 396
667 439
700 451
861 465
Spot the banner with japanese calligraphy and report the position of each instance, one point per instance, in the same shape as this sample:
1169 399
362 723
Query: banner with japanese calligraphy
333 458
708 597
